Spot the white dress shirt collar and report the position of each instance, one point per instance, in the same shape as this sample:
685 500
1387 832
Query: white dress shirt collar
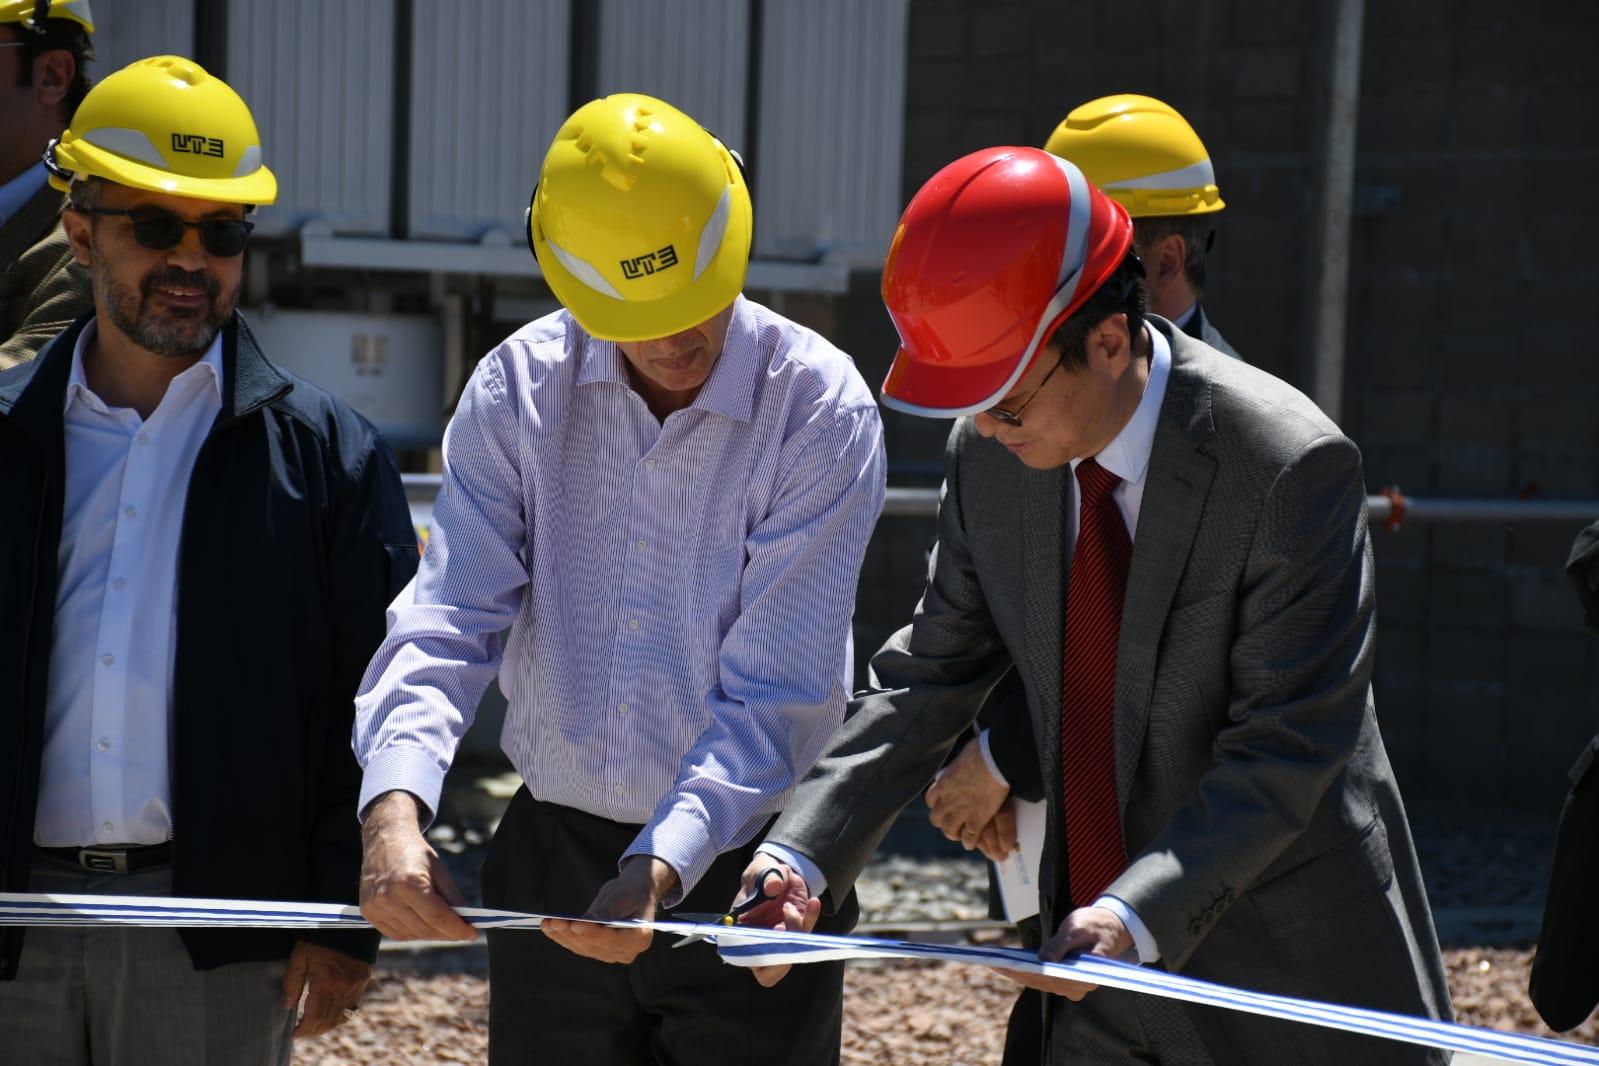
19 190
1182 320
1127 455
80 391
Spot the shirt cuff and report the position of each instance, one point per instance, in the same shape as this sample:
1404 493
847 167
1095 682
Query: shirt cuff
403 768
681 841
815 881
988 759
1143 940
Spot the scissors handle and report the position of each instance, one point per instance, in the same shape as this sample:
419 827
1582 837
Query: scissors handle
760 895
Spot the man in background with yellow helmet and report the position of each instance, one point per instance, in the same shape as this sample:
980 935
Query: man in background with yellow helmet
665 492
1149 159
44 53
195 559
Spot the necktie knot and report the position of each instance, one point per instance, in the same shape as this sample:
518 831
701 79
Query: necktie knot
1095 482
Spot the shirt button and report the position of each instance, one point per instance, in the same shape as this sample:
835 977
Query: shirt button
108 659
103 744
632 623
640 545
621 708
130 511
618 790
144 438
107 827
649 464
119 584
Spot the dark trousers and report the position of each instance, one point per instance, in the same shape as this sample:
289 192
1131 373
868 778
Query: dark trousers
671 1005
1024 1033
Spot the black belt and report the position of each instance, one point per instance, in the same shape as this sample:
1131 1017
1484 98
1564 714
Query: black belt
116 859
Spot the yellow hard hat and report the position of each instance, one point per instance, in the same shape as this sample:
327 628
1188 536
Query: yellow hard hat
641 220
1142 153
165 125
33 13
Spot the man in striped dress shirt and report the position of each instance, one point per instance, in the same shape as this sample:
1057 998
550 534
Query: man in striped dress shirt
665 492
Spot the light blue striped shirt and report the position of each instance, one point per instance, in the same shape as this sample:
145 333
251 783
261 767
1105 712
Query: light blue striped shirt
678 594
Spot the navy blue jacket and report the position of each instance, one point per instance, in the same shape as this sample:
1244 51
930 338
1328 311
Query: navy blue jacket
295 538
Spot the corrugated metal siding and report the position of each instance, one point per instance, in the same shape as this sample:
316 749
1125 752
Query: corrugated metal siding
832 127
319 78
690 53
128 31
481 123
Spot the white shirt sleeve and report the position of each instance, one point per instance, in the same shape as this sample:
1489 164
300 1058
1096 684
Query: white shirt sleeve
1143 940
988 759
815 881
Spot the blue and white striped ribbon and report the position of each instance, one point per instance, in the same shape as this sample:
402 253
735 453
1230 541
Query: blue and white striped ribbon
749 946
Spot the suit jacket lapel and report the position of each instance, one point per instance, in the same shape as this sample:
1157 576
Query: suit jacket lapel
1042 520
33 220
1178 482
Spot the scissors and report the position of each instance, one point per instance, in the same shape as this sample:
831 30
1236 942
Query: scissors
732 916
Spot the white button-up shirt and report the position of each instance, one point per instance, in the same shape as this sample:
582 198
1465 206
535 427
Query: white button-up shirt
678 593
104 777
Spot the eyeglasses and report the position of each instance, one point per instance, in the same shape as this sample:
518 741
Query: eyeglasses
1014 418
159 229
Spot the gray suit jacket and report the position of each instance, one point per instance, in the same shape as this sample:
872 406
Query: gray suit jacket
1268 842
43 288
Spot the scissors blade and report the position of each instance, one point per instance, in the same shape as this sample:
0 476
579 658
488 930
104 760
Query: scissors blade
700 919
728 918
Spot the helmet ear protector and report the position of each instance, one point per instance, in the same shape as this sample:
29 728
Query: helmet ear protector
527 216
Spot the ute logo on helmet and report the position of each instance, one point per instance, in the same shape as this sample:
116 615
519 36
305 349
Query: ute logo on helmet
197 144
648 263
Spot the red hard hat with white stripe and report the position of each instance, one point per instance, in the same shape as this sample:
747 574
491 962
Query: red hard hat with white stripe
992 255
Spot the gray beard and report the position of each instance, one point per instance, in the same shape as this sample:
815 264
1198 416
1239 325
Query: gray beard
181 337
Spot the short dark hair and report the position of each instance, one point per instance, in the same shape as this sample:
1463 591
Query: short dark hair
84 194
65 35
1197 231
1122 293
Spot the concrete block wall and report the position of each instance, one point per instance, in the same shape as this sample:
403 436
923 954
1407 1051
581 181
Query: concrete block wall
1470 368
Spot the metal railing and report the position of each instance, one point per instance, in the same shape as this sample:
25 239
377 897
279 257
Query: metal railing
1390 508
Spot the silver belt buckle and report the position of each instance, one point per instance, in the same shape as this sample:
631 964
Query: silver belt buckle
104 860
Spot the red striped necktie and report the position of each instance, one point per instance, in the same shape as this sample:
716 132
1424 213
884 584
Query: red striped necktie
1095 852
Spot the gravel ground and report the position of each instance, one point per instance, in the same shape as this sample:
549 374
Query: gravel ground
1486 882
896 1014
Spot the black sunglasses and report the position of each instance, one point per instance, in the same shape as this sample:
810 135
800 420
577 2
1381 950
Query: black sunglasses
159 229
1014 418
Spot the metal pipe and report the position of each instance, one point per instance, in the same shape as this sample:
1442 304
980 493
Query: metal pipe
1390 507
1328 291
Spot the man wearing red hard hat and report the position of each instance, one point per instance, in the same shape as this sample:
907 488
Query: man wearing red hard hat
1171 550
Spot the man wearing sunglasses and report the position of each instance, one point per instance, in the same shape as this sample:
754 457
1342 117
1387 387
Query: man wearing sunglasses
1170 549
194 564
44 54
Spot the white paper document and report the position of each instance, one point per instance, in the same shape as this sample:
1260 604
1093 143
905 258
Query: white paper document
1018 874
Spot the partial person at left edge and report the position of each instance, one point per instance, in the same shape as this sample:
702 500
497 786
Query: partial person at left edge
44 57
196 556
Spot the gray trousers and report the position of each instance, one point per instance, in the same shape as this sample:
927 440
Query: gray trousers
131 997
